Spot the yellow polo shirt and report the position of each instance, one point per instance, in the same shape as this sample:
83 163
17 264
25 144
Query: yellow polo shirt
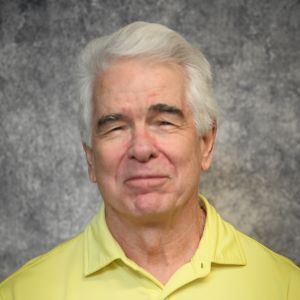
227 265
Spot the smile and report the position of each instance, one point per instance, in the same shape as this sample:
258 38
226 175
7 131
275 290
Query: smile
146 181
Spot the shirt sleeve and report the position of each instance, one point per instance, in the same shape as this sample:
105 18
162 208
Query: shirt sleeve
1 297
294 285
3 293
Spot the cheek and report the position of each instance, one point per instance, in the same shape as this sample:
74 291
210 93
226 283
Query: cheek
185 155
108 156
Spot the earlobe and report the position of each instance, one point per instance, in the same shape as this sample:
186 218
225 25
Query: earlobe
90 162
208 142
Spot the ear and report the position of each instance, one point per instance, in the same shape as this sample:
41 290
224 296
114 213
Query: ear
90 162
207 147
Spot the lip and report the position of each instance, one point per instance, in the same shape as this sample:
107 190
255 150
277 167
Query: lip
141 181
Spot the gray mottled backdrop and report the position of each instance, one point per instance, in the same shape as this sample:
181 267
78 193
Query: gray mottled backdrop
45 196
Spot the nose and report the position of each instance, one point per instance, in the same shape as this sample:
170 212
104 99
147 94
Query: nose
142 147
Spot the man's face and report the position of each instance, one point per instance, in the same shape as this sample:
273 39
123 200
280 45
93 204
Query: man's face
146 155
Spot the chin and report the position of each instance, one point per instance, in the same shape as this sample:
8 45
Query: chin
151 204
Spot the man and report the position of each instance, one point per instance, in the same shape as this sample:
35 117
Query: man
148 126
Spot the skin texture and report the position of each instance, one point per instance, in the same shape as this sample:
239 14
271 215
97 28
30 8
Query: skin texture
147 158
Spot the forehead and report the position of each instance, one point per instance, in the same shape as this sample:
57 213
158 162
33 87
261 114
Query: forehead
139 83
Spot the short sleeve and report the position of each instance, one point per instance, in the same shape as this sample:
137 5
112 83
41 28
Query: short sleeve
294 285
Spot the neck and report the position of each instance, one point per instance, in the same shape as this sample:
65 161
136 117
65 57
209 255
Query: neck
160 248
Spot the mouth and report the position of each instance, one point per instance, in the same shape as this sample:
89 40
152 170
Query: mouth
146 181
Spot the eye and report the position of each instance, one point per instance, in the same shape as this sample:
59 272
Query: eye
114 130
165 123
117 128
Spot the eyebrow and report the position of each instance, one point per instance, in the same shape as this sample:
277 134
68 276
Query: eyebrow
165 108
159 108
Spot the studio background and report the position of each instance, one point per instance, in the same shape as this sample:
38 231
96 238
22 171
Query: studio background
253 46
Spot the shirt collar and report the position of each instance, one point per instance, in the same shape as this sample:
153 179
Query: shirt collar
100 248
219 243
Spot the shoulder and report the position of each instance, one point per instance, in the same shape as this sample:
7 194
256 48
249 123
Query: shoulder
265 270
46 268
270 266
257 252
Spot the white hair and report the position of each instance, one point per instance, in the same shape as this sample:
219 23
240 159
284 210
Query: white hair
147 40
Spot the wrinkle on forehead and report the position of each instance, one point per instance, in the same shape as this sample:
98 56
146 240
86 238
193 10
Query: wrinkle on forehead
112 91
105 81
